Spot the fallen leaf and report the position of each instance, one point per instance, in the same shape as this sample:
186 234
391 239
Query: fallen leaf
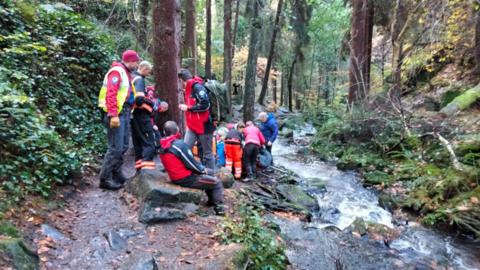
474 200
43 249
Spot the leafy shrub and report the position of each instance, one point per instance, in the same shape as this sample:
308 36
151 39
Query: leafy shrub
52 66
263 249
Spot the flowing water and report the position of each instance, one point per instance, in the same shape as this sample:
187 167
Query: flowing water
343 200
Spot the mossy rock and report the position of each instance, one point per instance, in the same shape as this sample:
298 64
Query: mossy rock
226 177
18 254
296 195
388 201
7 229
463 101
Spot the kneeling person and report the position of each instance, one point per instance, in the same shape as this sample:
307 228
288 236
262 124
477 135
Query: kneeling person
185 171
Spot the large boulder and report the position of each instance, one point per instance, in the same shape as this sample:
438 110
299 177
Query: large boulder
154 214
161 200
296 195
153 187
14 252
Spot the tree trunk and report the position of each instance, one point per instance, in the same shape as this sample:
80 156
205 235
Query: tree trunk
477 43
227 50
398 25
143 23
274 82
251 70
166 33
261 98
190 50
208 40
290 84
235 28
282 89
361 50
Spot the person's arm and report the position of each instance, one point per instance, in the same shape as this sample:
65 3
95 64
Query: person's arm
201 96
274 128
182 151
114 81
261 137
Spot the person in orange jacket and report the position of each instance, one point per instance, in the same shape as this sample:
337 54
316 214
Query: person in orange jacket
233 149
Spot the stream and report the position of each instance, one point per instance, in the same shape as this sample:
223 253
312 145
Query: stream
327 241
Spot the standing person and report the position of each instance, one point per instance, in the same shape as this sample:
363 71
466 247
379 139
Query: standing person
233 149
116 99
197 116
185 171
143 136
269 128
254 140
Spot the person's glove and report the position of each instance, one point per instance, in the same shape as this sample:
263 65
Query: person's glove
114 122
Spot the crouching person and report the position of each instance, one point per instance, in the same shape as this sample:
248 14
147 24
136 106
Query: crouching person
185 171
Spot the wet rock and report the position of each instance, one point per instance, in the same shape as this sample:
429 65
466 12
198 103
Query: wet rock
359 226
296 195
347 165
287 132
140 262
14 252
127 233
50 231
150 214
153 187
226 177
115 241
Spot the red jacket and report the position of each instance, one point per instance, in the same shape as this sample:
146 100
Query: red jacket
253 135
114 81
198 113
177 158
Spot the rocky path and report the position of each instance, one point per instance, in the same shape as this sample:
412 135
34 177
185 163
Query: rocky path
99 229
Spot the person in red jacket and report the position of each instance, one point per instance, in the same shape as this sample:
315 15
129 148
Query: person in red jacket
185 171
116 99
197 116
254 140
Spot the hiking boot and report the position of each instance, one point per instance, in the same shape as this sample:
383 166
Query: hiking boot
248 178
110 184
219 210
120 178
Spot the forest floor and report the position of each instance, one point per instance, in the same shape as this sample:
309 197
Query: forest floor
73 232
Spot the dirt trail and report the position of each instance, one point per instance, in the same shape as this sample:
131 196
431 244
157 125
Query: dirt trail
79 233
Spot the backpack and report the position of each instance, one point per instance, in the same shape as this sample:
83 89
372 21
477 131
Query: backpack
264 158
217 93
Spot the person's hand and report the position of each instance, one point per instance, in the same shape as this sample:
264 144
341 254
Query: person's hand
114 122
163 106
183 107
209 171
269 143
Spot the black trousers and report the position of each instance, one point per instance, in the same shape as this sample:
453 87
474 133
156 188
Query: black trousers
143 136
212 186
250 154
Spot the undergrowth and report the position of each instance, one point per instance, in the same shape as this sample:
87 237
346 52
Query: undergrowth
263 249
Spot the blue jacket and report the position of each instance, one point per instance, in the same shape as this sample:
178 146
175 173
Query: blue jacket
270 128
221 153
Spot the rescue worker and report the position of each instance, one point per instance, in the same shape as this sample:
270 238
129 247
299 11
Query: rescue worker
143 136
254 140
199 122
233 149
116 99
185 171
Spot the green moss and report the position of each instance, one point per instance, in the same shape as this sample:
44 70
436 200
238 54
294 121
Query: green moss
19 254
449 96
7 229
377 178
463 101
